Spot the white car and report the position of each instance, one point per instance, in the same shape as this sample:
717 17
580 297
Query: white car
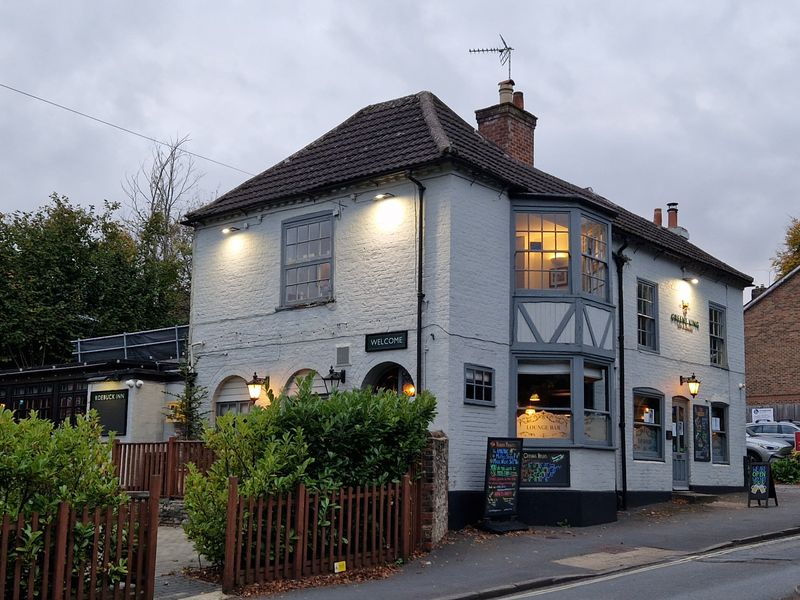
767 449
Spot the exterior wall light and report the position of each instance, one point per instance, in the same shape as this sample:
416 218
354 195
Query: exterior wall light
383 196
692 280
409 389
254 387
134 383
335 377
693 382
228 230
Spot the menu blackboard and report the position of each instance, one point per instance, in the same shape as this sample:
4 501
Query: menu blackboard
702 449
545 468
501 488
760 485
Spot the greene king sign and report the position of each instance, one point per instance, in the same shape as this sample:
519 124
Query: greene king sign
393 340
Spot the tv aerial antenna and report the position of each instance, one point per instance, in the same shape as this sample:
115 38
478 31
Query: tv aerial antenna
504 52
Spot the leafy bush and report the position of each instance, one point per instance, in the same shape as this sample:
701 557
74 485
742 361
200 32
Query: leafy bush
355 437
787 470
41 465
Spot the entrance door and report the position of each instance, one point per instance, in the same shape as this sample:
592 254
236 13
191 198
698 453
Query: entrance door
680 433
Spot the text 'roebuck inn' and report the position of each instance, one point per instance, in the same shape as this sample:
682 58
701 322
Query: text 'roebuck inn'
405 249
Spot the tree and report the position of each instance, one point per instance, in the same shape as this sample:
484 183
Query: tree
186 410
159 194
68 272
788 257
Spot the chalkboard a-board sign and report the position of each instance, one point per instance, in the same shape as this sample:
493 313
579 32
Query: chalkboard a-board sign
760 485
545 468
503 468
702 449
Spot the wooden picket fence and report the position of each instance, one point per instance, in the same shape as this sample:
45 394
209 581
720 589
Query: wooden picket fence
301 533
80 554
138 462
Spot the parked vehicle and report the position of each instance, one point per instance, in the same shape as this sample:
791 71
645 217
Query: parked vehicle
763 449
782 431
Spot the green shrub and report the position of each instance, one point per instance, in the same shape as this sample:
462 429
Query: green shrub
41 465
355 437
787 470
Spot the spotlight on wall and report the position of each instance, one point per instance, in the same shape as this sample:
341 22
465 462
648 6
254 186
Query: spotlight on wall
692 280
383 196
693 382
134 383
228 230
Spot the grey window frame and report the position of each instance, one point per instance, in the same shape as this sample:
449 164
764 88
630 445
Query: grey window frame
584 258
317 217
721 352
553 275
493 387
653 317
650 394
237 407
608 412
725 431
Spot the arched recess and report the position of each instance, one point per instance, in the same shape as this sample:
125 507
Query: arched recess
317 385
232 396
390 376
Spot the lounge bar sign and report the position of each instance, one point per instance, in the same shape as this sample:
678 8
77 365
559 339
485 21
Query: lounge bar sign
393 340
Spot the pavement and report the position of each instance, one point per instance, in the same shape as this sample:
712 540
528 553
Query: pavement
472 565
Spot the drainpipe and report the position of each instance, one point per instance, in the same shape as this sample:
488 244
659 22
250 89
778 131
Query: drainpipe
420 293
620 260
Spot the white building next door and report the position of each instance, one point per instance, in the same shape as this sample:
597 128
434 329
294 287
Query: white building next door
680 456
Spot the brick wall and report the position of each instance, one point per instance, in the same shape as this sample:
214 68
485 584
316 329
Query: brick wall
510 128
434 489
772 346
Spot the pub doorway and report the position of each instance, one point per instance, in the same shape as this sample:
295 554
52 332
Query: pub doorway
390 376
680 447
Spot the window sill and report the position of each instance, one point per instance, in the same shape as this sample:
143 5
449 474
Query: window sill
307 305
722 464
649 350
479 403
648 460
723 367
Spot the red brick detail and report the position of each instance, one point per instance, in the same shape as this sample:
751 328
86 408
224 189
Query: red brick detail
772 346
510 128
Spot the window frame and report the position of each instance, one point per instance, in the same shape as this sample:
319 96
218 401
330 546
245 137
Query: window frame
608 412
554 276
653 317
474 401
660 428
593 258
721 337
724 432
317 217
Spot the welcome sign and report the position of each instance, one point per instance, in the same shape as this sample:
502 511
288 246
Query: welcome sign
393 340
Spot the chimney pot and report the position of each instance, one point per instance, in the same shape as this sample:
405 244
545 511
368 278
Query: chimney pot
757 291
657 219
672 215
506 91
519 101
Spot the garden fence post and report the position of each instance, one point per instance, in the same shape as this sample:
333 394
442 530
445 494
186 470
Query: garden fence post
152 534
171 468
300 530
115 451
62 523
230 536
405 540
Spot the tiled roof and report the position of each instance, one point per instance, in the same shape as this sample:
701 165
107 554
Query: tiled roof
411 132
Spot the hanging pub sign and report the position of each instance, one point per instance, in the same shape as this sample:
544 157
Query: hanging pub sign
702 449
544 468
503 469
393 340
760 485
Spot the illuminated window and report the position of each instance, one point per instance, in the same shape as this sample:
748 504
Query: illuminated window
716 334
541 252
307 263
594 257
648 425
596 406
544 401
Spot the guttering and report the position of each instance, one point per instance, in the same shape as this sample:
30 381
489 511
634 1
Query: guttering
420 293
621 260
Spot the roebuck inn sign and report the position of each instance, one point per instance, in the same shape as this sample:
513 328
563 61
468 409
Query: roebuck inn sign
394 340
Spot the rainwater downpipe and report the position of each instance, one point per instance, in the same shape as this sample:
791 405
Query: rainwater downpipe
621 260
420 293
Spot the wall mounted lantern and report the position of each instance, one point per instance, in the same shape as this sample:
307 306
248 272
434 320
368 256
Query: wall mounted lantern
693 382
335 377
409 389
254 387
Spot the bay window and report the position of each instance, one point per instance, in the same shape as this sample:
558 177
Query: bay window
541 251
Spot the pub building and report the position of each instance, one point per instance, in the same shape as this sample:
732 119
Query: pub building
404 249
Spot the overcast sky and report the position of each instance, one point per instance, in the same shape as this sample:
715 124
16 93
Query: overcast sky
646 102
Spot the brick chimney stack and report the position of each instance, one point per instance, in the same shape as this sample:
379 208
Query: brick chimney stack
508 124
657 218
672 220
